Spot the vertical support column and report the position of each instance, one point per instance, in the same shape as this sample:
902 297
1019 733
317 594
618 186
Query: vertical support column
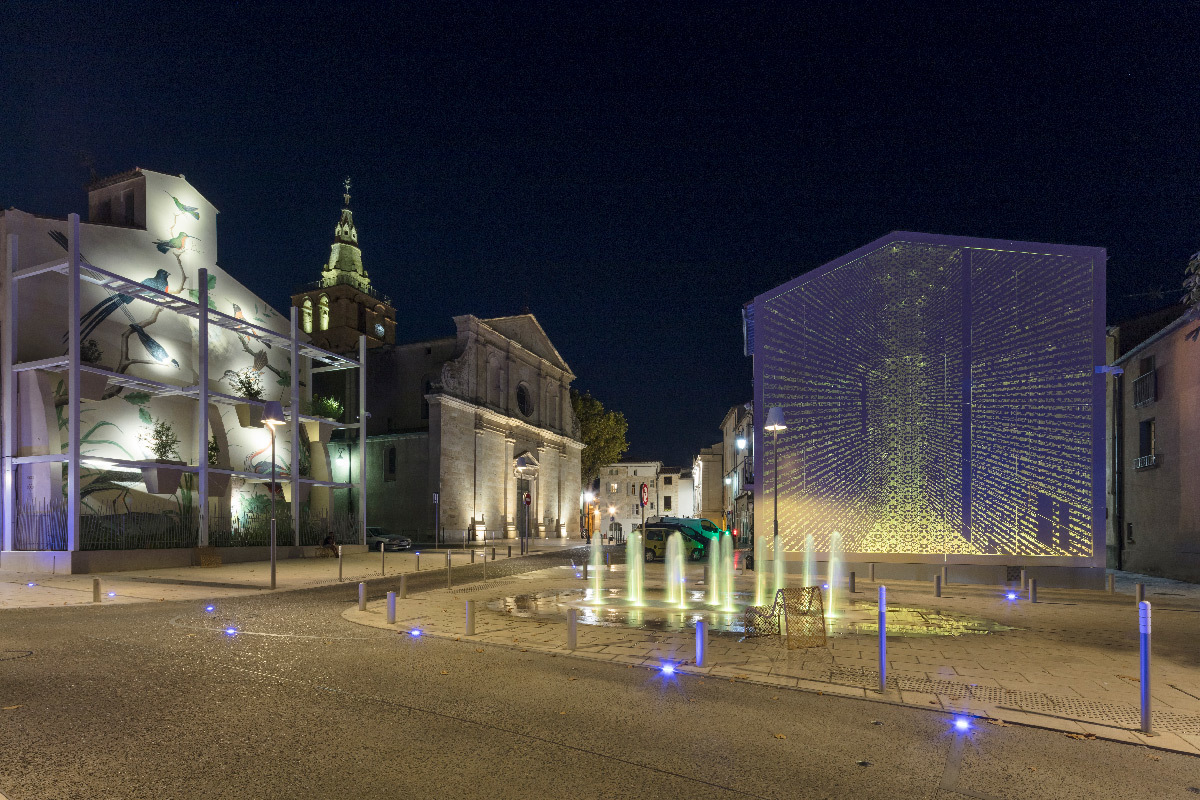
295 464
73 386
362 439
1144 638
8 354
202 412
882 639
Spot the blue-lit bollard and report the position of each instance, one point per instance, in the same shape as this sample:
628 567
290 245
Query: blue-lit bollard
418 569
469 628
391 607
1144 631
882 639
572 624
701 641
362 597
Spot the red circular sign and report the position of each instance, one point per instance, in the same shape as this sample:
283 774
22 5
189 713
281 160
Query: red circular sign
525 498
645 494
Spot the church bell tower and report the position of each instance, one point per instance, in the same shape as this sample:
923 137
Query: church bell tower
340 306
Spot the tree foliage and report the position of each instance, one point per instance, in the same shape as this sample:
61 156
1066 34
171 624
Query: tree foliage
602 431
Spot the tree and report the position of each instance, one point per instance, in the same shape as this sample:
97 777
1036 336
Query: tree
602 431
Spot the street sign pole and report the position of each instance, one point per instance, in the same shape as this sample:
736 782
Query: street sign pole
436 518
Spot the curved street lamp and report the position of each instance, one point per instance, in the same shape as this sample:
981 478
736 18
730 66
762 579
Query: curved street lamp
775 424
273 417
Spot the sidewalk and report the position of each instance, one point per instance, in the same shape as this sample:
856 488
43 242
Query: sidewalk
1068 663
36 590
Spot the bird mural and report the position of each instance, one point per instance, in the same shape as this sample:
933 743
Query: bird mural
239 314
193 211
178 243
101 311
156 350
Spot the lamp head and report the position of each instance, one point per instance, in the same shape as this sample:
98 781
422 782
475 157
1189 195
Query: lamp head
741 443
589 496
273 413
775 421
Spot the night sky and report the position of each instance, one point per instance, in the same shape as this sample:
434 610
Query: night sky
632 176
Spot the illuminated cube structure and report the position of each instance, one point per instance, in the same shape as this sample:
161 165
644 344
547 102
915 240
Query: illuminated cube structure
942 407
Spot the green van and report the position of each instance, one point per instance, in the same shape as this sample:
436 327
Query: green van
700 526
695 546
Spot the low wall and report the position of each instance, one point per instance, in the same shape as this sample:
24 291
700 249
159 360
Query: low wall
1048 577
90 561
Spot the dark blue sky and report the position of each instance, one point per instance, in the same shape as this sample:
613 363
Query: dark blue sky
631 175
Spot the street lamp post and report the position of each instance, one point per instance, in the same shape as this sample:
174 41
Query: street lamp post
775 424
273 416
588 498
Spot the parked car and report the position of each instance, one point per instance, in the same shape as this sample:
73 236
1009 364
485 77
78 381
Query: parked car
391 541
702 527
655 541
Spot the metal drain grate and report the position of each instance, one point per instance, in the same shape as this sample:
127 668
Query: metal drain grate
1111 714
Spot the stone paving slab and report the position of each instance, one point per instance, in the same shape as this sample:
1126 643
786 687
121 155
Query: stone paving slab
1065 665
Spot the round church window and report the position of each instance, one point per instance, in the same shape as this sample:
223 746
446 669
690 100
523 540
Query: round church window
524 401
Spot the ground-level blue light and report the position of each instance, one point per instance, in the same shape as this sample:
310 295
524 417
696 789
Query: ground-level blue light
961 723
31 584
668 669
231 631
415 632
210 609
112 594
824 585
1011 595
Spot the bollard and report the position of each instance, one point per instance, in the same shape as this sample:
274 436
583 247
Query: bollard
391 606
510 551
945 576
701 641
585 567
608 561
95 590
382 560
937 585
1144 635
472 555
493 553
882 638
1139 592
403 587
852 589
1024 580
448 584
469 629
339 563
362 597
572 618
872 572
1033 590
1112 584
418 569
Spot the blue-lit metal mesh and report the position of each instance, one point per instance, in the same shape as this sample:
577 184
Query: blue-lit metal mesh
939 400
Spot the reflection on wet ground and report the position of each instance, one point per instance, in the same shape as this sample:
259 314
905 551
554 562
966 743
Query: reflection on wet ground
613 610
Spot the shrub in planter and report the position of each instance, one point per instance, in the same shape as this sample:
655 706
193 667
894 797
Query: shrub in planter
326 408
162 442
92 385
248 384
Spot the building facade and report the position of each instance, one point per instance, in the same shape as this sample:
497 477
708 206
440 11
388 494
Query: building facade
1154 505
737 439
708 484
481 419
963 425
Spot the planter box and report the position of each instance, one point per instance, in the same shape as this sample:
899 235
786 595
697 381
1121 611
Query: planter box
319 429
305 490
218 484
249 415
92 385
162 480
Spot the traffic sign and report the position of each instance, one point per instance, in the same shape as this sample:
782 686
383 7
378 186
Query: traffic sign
435 498
645 494
525 498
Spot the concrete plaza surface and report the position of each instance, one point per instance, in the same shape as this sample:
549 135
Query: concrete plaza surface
158 700
1068 662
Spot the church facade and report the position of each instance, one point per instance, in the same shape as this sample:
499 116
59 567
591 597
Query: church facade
481 420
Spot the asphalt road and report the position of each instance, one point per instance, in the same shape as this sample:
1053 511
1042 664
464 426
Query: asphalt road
156 701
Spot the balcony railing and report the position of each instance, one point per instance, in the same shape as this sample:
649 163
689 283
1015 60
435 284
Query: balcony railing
1145 389
342 280
1147 462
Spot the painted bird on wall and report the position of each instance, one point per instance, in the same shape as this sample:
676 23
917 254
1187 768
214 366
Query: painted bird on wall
191 210
239 314
108 305
177 242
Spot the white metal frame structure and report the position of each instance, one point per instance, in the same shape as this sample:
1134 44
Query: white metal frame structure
78 272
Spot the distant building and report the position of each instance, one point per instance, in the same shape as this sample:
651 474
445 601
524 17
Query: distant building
618 501
737 439
480 419
676 494
1154 464
708 474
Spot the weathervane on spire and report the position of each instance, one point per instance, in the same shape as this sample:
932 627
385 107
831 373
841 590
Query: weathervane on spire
346 196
